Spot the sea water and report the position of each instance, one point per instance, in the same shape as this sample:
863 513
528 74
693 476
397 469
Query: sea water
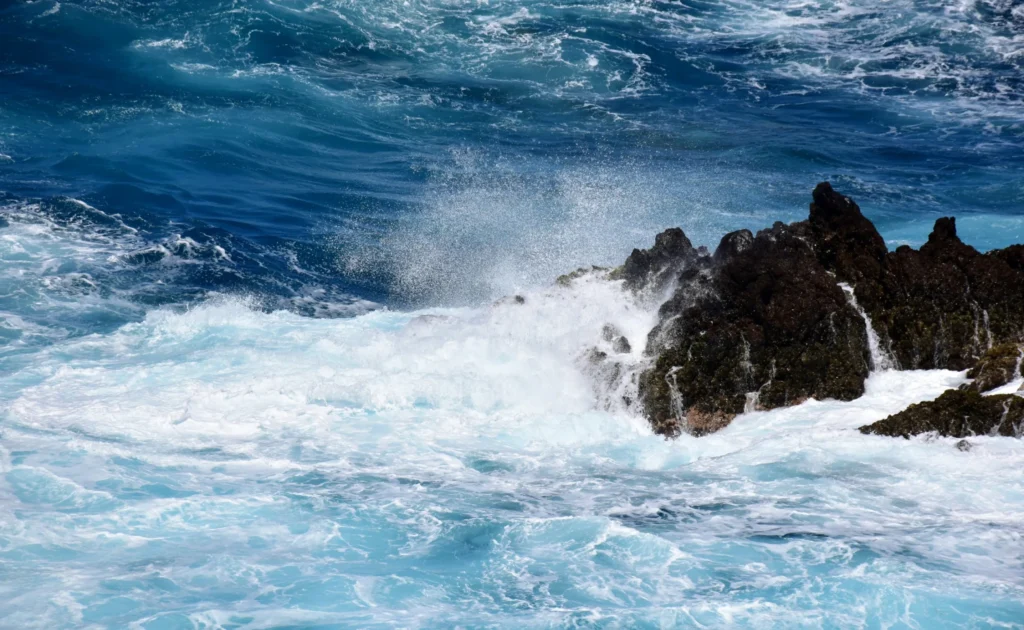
256 370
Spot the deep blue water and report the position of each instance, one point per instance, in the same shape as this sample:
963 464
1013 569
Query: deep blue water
219 221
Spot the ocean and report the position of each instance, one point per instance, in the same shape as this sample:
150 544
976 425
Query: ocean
256 370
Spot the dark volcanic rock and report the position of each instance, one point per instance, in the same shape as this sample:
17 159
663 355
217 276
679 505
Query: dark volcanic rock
997 367
957 413
733 244
941 306
653 268
763 322
846 242
760 325
947 304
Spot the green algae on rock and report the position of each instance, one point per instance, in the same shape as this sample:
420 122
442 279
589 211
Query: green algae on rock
957 413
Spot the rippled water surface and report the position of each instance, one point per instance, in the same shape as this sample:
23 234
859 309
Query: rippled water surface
251 370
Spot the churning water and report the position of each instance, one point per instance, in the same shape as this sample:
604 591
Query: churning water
252 375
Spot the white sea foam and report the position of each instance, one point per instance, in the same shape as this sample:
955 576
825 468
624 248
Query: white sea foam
66 266
517 361
54 10
277 454
47 267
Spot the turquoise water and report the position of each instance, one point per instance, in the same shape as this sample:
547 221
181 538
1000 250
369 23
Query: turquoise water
251 370
227 468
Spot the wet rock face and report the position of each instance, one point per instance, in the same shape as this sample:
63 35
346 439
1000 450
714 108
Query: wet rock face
996 368
845 241
957 413
759 325
942 306
763 323
618 341
947 304
651 269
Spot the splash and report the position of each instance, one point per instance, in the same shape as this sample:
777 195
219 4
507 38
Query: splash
487 230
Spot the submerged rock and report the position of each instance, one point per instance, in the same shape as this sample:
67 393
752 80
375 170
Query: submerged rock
957 413
510 300
426 323
621 345
764 323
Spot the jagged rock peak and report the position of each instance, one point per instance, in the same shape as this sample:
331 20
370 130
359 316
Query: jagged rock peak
651 268
764 323
761 324
829 204
944 230
847 242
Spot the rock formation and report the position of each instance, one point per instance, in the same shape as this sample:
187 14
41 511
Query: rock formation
997 367
958 413
966 412
764 322
758 325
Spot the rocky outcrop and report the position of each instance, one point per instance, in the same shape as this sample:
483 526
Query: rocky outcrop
764 321
566 279
942 306
958 413
618 341
758 325
997 367
653 269
966 412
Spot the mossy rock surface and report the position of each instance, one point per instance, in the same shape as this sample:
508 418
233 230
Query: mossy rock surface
566 279
997 367
957 413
